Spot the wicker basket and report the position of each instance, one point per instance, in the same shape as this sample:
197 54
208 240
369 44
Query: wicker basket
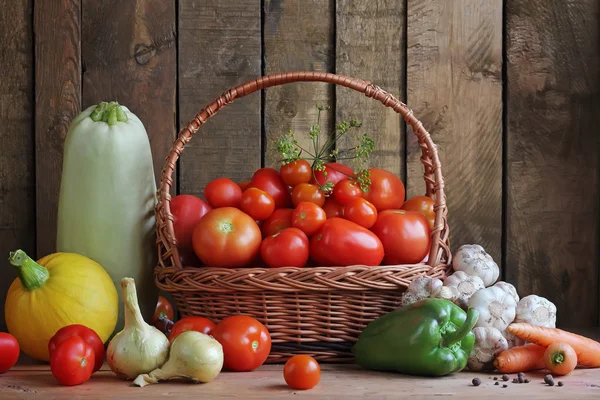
318 311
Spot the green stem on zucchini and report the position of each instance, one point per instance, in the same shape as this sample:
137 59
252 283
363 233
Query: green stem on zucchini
111 113
31 274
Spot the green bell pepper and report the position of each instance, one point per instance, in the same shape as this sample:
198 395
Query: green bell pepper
432 337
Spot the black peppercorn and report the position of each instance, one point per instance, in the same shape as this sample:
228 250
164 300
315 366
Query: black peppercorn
505 377
476 381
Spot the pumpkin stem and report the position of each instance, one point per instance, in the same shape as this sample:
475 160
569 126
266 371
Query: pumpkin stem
31 274
111 113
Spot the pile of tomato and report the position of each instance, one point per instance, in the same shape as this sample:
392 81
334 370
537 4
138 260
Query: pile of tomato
285 218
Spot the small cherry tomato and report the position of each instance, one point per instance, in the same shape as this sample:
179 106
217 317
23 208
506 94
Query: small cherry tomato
223 192
307 192
257 203
308 217
333 209
386 190
360 211
280 219
198 324
88 335
269 180
296 172
302 372
9 351
333 172
72 361
246 342
286 248
346 190
243 185
422 204
163 314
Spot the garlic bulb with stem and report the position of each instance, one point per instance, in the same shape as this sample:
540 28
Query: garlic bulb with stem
489 342
512 340
496 307
536 310
475 261
139 348
466 286
194 356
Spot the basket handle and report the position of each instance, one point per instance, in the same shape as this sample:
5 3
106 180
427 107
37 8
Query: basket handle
429 155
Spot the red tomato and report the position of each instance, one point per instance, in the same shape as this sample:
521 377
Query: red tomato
280 219
296 172
88 335
246 342
226 237
346 190
243 185
269 180
405 236
341 243
257 203
286 248
165 310
72 361
332 208
308 217
386 190
307 192
223 192
361 211
334 172
198 324
422 204
9 351
187 211
302 372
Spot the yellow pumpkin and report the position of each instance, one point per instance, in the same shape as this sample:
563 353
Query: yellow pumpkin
59 290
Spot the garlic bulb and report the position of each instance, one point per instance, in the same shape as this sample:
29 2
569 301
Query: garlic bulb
536 310
139 348
449 293
466 286
489 342
509 289
419 289
194 356
496 307
512 340
473 259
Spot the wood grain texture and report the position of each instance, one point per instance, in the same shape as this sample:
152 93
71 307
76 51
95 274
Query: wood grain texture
370 45
553 87
454 81
57 27
219 48
298 36
17 165
129 55
337 382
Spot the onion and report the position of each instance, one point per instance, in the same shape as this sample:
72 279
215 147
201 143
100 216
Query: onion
194 356
139 347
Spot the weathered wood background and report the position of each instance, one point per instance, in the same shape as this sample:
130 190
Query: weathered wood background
510 91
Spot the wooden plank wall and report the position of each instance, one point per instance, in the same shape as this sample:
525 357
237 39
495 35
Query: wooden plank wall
509 90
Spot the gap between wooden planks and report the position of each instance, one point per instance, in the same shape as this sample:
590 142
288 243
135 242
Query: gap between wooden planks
337 381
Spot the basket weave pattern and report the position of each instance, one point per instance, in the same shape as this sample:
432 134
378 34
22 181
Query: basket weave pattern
318 311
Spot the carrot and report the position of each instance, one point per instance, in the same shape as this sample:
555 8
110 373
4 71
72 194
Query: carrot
560 358
524 358
588 350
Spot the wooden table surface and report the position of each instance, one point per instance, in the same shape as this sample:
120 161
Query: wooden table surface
337 382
